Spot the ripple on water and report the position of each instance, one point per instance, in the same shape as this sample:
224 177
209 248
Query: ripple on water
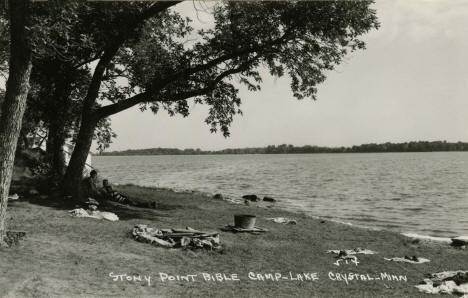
379 189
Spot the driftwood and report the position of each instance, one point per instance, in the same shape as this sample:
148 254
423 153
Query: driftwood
177 238
254 230
406 259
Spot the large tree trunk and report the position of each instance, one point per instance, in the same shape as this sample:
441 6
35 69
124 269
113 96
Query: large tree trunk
74 173
59 105
14 104
72 180
58 129
55 142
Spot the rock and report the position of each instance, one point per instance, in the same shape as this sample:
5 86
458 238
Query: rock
460 241
269 199
218 196
252 198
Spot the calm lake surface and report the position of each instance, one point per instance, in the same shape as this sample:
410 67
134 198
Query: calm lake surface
424 193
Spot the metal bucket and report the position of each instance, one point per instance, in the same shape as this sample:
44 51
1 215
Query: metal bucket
244 221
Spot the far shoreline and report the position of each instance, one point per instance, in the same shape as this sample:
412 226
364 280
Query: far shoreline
234 154
413 146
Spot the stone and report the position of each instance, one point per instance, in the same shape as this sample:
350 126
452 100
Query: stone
252 198
218 196
269 199
460 241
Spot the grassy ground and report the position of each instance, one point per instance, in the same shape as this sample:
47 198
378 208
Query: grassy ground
68 257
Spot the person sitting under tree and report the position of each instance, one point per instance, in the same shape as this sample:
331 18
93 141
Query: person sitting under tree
108 193
92 196
89 191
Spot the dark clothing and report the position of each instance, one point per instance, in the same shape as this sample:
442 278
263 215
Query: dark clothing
112 195
109 194
89 189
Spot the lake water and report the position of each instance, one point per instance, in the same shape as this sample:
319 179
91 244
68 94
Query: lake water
424 193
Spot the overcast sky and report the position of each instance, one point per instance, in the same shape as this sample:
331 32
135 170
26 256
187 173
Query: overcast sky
411 83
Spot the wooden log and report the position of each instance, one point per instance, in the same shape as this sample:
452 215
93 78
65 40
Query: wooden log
191 235
187 231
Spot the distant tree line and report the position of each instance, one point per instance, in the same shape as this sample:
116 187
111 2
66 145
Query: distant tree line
420 146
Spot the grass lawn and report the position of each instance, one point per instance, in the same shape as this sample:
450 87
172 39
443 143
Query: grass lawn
68 257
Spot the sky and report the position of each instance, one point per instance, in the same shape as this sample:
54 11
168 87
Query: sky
411 83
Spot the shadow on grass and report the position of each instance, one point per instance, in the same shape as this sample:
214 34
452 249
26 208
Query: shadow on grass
124 212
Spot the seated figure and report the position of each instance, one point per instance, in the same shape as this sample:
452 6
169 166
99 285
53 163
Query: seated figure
89 192
107 193
89 186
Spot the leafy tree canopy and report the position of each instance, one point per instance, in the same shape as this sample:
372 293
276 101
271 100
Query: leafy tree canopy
153 66
301 39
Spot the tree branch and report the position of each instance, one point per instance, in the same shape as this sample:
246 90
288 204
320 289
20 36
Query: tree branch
221 59
97 56
143 97
95 85
117 107
111 50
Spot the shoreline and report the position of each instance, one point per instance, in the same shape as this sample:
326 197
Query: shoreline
302 153
411 235
63 254
402 200
273 206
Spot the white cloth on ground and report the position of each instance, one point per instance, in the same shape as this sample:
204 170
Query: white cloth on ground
406 260
283 220
80 212
13 197
353 251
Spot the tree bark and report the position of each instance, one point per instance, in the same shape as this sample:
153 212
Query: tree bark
89 119
71 184
58 124
55 142
14 104
74 174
